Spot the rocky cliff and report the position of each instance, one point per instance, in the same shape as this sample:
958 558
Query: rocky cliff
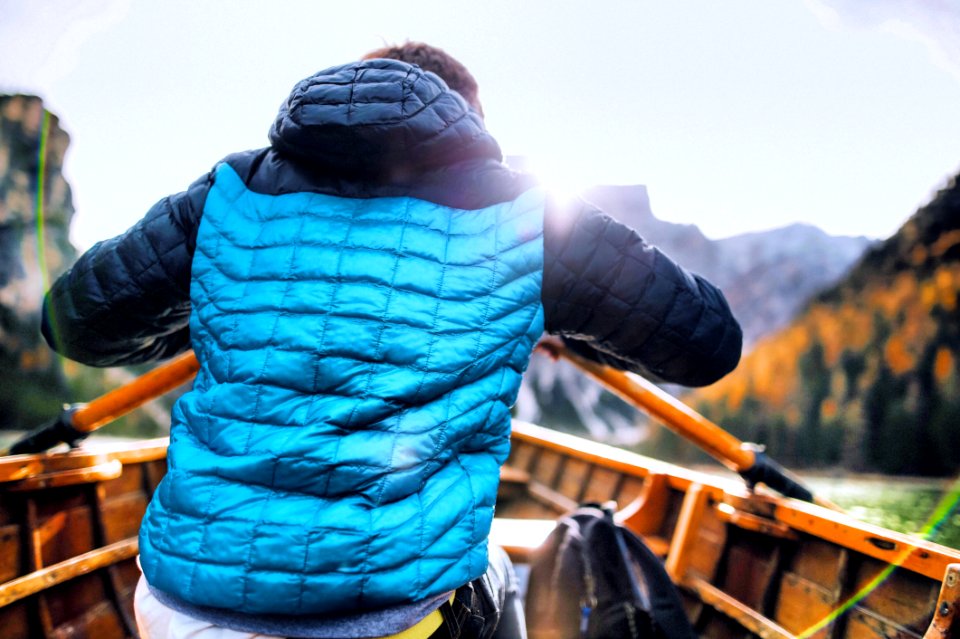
36 208
34 248
767 277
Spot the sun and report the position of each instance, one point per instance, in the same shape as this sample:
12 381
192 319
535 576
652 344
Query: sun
562 179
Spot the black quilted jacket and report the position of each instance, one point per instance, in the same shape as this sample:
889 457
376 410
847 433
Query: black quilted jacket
612 296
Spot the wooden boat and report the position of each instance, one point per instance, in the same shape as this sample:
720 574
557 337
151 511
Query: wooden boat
68 539
747 562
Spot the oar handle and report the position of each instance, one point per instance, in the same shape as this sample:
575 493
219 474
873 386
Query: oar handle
746 459
120 401
76 422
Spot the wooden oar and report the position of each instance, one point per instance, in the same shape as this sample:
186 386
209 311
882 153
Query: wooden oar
746 459
76 422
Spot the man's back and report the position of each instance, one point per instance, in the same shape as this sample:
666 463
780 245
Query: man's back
341 444
363 296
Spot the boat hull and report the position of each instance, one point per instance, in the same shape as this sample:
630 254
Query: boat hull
68 539
747 564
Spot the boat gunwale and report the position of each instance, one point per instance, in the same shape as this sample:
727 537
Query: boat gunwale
920 556
917 555
19 467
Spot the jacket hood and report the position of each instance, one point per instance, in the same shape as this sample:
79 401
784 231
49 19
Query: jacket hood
379 116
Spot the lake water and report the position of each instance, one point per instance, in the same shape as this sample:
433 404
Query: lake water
904 504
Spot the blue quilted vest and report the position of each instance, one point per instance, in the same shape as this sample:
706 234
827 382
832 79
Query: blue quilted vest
340 448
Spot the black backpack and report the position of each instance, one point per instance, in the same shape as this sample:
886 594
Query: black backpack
594 579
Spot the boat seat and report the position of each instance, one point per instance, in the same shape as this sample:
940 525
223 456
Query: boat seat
520 537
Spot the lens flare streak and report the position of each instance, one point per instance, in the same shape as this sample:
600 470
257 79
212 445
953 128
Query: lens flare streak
940 514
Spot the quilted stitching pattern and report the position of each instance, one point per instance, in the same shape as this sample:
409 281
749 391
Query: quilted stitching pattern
624 303
379 115
359 361
126 301
360 344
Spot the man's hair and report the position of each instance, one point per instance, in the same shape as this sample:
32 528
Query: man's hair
436 60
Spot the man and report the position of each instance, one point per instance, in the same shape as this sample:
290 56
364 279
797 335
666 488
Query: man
363 296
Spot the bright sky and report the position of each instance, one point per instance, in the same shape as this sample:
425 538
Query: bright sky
738 115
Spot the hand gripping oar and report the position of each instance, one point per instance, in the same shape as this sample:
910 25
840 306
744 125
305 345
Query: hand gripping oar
746 459
78 421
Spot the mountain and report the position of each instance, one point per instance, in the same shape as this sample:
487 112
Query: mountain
34 250
866 377
766 276
31 382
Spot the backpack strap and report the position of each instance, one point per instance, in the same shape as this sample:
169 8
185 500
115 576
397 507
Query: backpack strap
664 603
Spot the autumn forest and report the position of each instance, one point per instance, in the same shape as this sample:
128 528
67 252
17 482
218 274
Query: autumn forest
866 378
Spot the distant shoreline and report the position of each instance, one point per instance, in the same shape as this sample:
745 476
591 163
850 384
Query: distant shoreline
819 475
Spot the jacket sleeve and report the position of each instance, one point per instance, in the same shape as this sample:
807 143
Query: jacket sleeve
622 302
127 299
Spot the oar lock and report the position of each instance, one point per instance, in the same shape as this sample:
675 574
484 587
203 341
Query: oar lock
60 430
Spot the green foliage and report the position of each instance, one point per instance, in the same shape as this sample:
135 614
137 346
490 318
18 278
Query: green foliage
28 401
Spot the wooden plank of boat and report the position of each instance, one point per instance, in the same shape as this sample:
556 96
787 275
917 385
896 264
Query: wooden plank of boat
68 542
45 578
748 563
16 467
